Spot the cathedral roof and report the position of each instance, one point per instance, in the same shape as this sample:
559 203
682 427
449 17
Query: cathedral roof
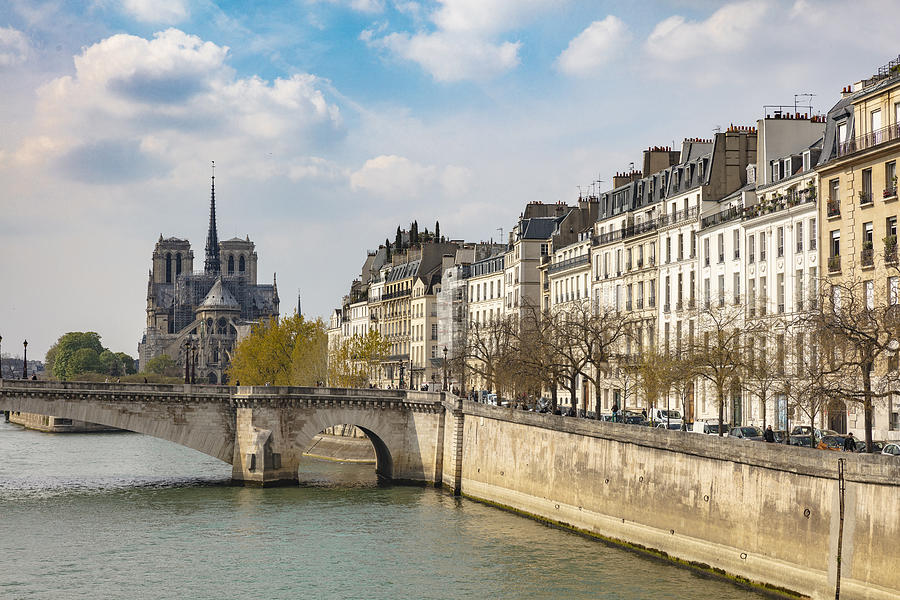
219 297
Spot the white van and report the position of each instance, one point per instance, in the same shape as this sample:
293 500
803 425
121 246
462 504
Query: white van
710 427
664 415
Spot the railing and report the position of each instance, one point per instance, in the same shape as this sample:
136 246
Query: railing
628 305
652 302
834 208
569 263
678 216
869 140
890 192
667 308
640 303
865 198
392 295
607 238
834 263
867 257
723 216
890 253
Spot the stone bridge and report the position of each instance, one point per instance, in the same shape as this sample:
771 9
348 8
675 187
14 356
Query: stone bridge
261 431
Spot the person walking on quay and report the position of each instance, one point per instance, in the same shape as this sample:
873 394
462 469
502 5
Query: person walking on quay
769 435
849 443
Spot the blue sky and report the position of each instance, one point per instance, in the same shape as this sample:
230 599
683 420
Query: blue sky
333 121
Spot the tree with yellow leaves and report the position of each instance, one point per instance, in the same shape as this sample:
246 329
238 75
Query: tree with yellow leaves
288 351
352 361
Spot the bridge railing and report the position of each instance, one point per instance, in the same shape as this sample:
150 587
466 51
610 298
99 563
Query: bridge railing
130 388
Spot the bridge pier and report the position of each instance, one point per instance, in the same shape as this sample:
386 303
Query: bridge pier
262 455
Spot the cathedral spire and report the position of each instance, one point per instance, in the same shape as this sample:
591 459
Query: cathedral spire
212 264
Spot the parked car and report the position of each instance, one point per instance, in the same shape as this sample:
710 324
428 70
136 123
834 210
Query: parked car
664 415
672 426
891 449
708 427
747 432
878 446
801 440
780 435
807 430
831 442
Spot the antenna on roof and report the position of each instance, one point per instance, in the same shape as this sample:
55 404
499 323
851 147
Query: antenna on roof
579 191
500 229
809 106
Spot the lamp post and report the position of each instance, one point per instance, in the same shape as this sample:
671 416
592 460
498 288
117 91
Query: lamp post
1 357
445 369
402 368
187 361
25 360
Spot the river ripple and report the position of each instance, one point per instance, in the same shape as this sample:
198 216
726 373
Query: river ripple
128 516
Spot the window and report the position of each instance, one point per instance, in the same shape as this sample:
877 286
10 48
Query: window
779 237
835 248
231 265
751 251
762 245
168 268
721 290
834 187
680 290
721 241
806 161
892 290
545 249
799 232
890 178
780 281
763 296
870 294
666 306
706 293
875 122
693 244
812 234
669 249
813 298
775 170
693 287
652 293
737 243
242 266
706 251
680 246
842 132
865 196
751 291
737 288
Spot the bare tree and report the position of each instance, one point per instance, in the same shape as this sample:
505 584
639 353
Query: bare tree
536 358
858 329
719 354
764 370
656 374
484 350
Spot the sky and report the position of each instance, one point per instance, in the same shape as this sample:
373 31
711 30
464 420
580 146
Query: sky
331 122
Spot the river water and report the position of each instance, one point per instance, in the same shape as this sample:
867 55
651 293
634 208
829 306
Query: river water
128 516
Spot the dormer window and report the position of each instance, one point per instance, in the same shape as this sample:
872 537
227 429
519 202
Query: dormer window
786 170
775 169
806 160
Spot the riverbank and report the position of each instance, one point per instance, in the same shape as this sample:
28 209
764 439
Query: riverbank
340 448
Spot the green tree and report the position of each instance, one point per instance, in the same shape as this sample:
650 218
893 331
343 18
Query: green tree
352 362
163 365
127 363
66 346
109 363
82 360
268 354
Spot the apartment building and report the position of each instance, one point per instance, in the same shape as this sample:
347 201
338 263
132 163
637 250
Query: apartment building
859 209
781 247
424 354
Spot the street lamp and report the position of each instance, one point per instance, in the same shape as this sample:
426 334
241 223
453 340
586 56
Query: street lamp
445 369
402 368
25 360
187 361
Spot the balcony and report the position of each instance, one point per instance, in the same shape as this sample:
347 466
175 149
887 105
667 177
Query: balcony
869 140
834 263
729 214
865 198
867 256
667 308
890 193
833 209
890 253
569 263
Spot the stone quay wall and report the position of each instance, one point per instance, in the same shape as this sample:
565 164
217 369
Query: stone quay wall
767 513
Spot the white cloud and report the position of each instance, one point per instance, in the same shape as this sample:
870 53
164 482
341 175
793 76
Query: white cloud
14 47
487 16
727 30
594 46
156 11
363 6
397 177
463 44
449 57
178 91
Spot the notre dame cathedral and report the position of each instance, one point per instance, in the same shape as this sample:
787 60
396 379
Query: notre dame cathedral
197 318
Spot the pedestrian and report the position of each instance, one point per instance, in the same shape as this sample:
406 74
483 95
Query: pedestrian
145 380
34 376
237 383
769 435
615 411
849 443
